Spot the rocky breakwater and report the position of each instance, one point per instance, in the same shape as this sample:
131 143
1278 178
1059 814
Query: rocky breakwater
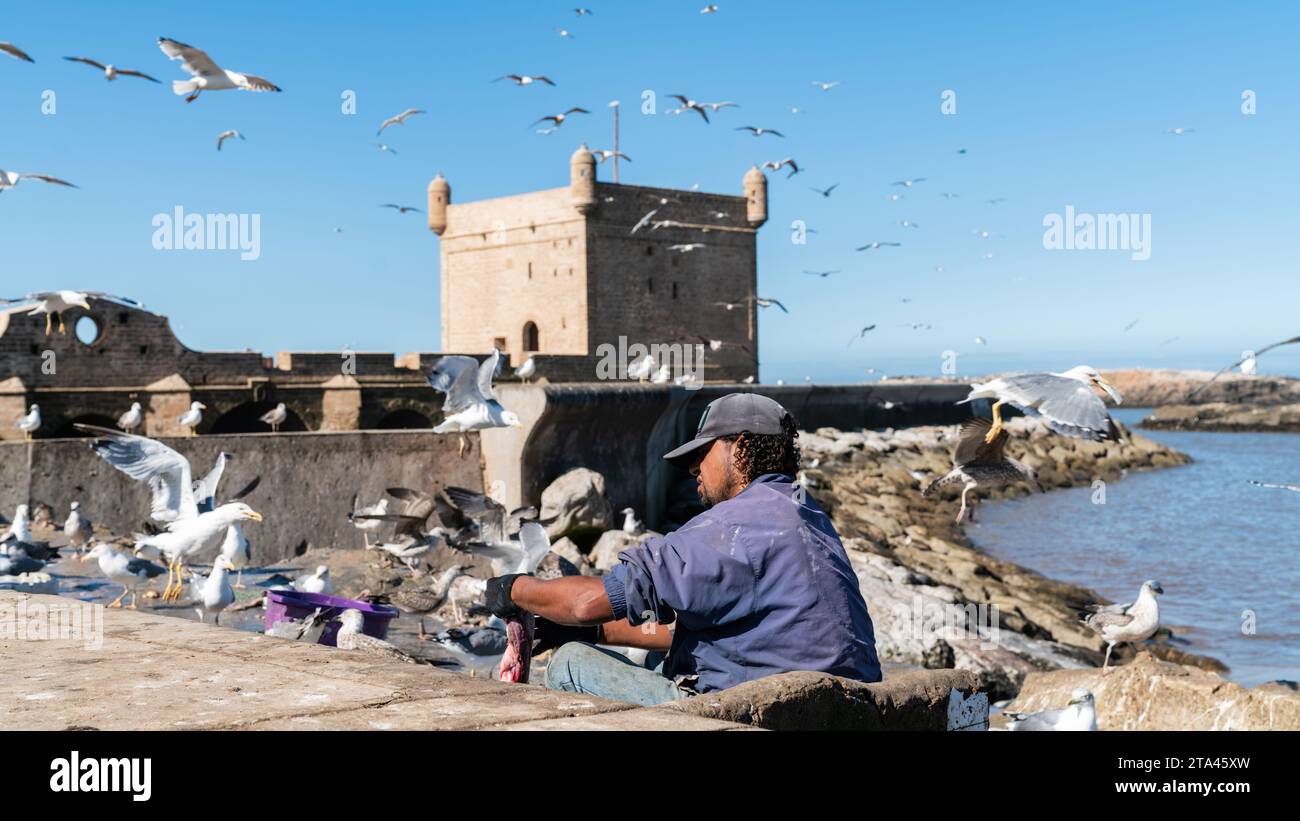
1150 694
936 600
1187 400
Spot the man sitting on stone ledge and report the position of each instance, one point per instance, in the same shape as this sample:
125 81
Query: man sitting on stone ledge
756 585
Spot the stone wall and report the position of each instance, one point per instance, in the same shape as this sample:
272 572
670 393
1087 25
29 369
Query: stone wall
306 488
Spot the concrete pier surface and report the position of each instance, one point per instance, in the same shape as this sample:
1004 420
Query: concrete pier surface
154 672
72 664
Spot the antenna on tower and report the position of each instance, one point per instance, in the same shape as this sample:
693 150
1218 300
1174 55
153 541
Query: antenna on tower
614 105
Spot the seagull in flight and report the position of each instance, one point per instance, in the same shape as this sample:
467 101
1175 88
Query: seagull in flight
558 119
606 154
15 52
583 12
910 183
822 274
398 119
1276 486
564 32
768 303
777 166
686 247
226 135
402 209
525 80
827 191
1178 132
111 72
386 147
728 104
709 9
8 179
758 131
691 105
208 76
872 246
865 330
826 86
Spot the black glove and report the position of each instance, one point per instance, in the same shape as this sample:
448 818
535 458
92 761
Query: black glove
550 635
498 596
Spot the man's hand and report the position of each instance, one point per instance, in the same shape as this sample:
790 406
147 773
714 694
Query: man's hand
550 635
498 596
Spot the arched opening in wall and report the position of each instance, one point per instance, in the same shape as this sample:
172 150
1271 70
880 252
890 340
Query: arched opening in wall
247 418
531 343
67 431
404 419
87 329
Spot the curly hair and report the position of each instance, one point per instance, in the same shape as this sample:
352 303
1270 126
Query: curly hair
758 453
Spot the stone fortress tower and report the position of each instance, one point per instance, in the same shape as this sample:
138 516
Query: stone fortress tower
558 274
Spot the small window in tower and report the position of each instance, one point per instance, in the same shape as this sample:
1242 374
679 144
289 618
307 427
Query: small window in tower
649 250
570 271
144 350
123 318
555 272
674 290
530 270
530 337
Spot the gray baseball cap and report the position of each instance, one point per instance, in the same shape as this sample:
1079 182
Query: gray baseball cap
732 414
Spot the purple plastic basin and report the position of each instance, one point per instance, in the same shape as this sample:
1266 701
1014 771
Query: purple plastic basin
284 605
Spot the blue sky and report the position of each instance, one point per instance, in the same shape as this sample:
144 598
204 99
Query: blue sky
1055 107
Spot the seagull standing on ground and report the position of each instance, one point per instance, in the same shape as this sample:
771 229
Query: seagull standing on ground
192 417
77 528
631 524
1080 714
208 76
128 571
471 403
111 72
981 464
30 423
361 517
132 419
275 417
1065 400
399 119
20 531
527 370
1126 623
212 593
237 551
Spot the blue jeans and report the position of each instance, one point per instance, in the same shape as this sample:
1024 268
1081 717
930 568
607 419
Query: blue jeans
579 667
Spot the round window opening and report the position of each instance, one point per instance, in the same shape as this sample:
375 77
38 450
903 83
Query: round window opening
87 329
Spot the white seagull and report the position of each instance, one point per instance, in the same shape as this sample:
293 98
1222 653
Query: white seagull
317 582
226 135
275 417
192 417
1131 623
77 527
208 76
525 80
173 500
1066 401
471 404
1080 714
527 370
30 423
112 72
212 593
826 86
51 303
9 179
132 419
237 551
398 119
129 571
631 524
